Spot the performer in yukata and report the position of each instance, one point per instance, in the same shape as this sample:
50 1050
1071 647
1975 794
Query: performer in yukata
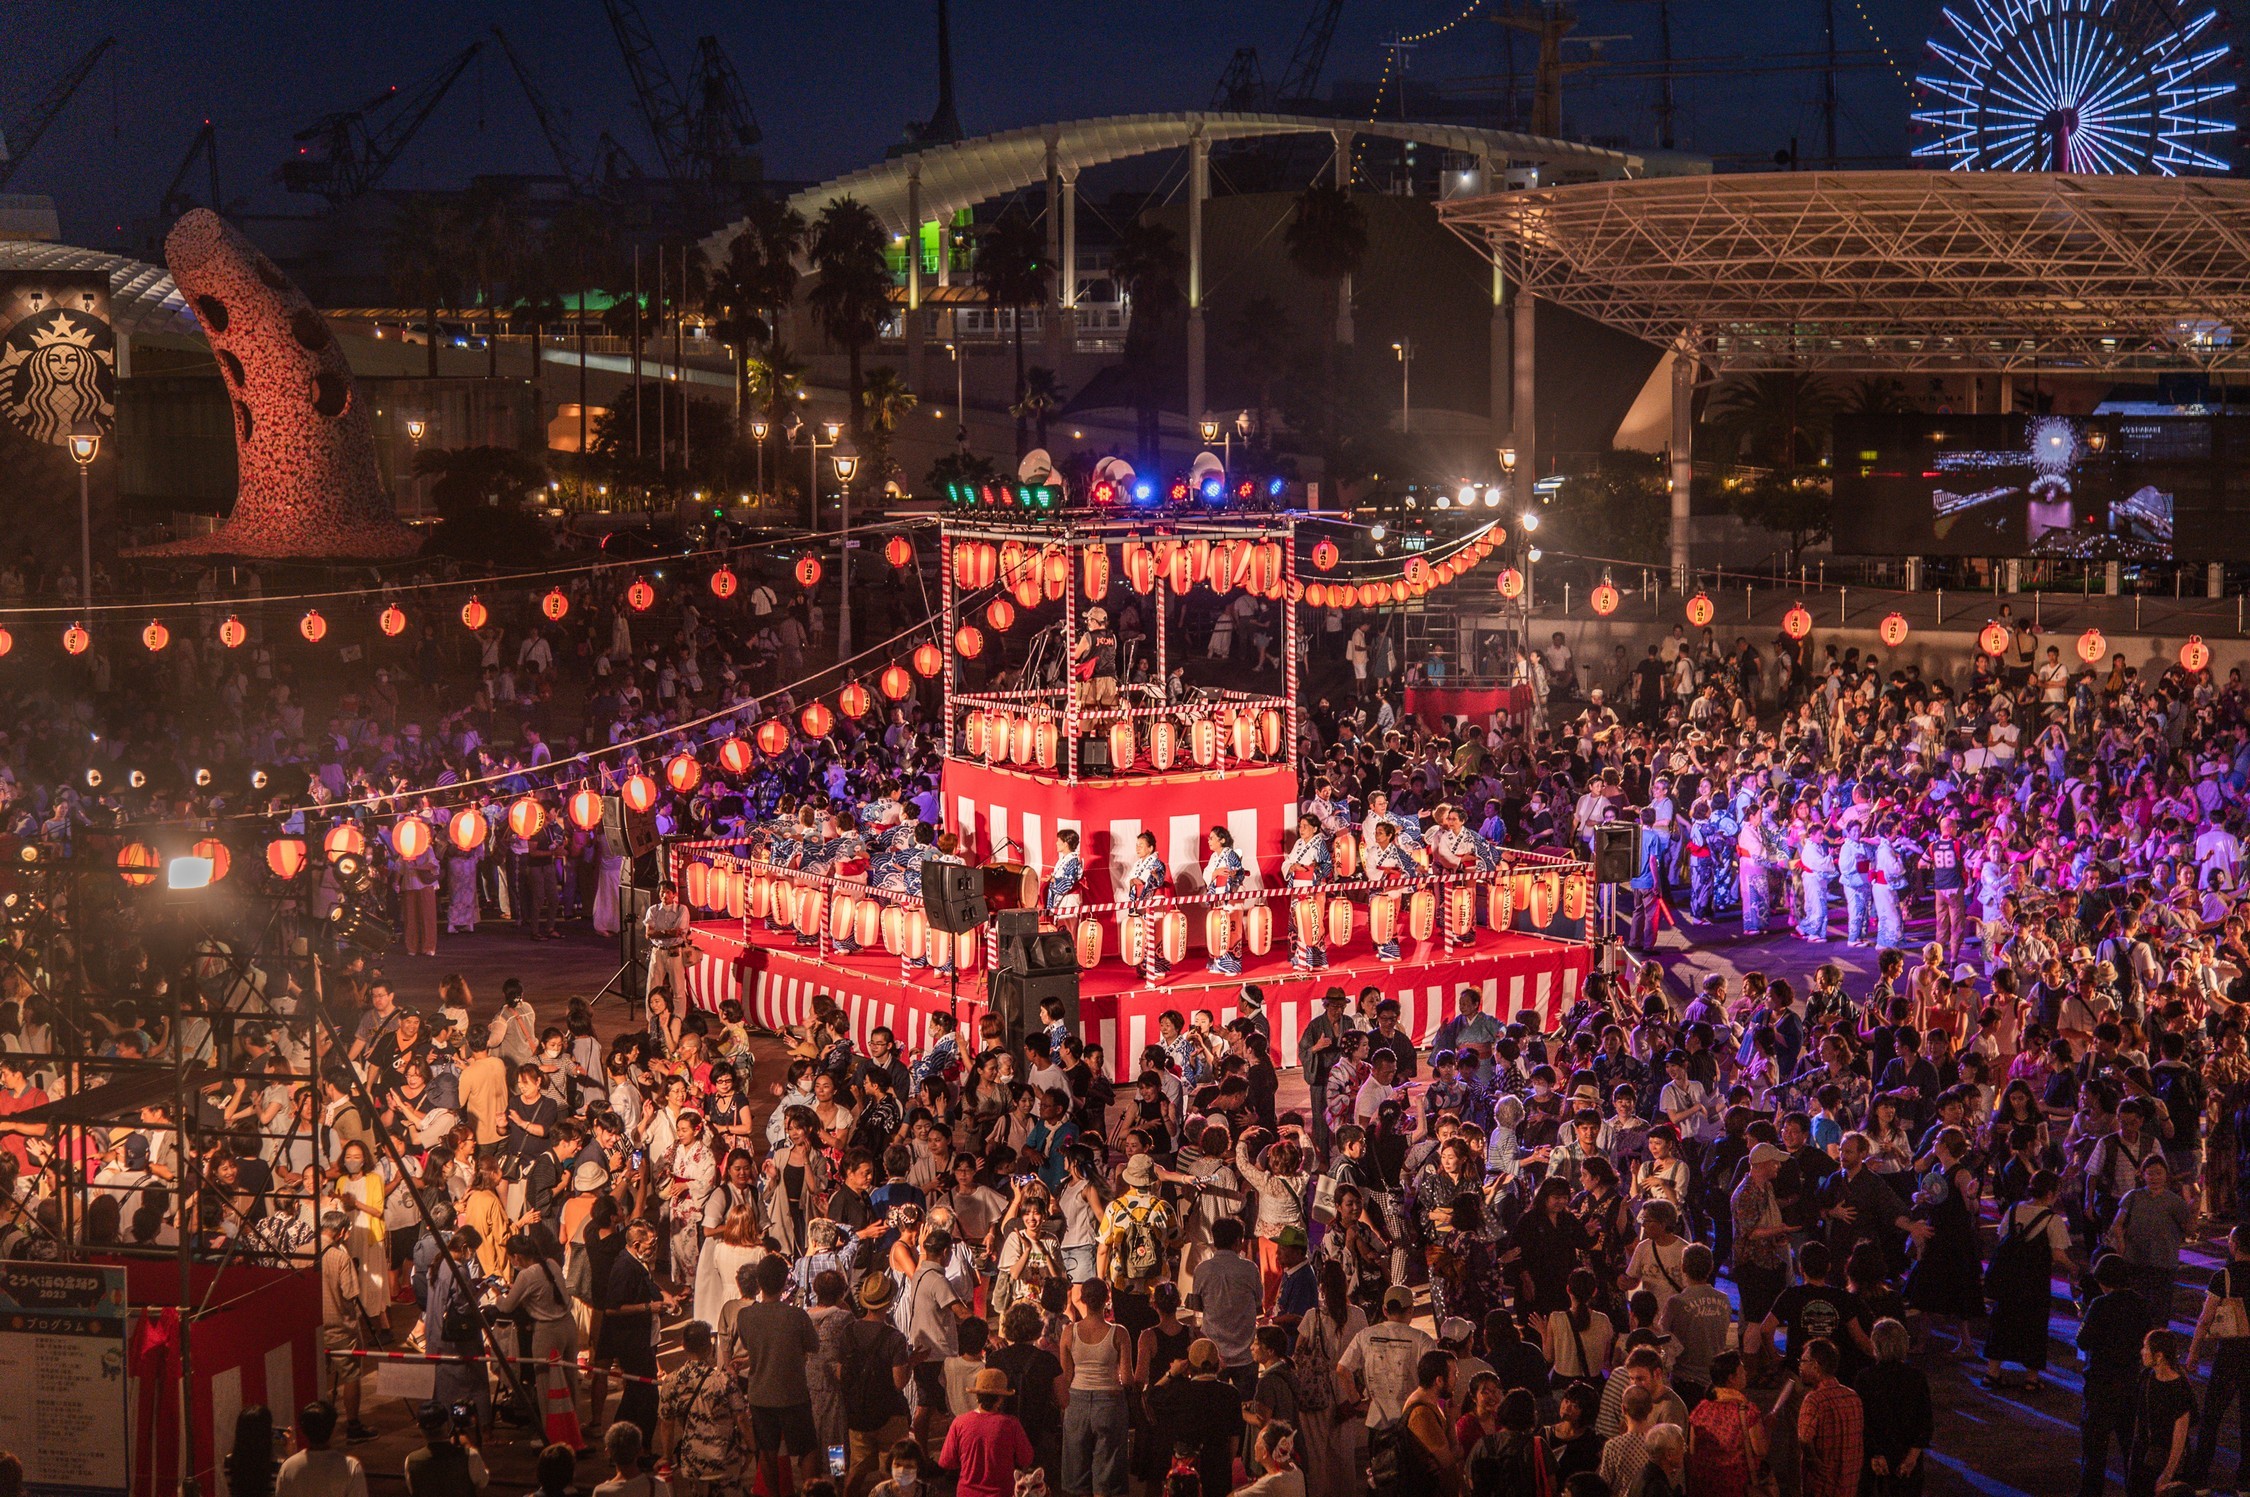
1223 874
1310 861
1148 883
1389 862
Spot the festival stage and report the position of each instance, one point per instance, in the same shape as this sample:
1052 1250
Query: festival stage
777 984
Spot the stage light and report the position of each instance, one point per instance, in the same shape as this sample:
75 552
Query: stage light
1179 491
202 779
1468 495
1275 487
1214 489
93 779
189 872
1377 531
259 779
1144 490
1529 521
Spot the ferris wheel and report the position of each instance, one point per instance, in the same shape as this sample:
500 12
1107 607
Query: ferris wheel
2119 86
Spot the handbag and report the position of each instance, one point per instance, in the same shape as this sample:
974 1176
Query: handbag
1324 1192
2230 1318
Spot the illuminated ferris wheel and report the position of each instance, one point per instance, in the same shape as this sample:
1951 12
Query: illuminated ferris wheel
2123 86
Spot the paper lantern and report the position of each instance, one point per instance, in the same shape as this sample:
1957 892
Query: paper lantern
1022 740
928 660
1500 904
998 729
1511 583
639 794
867 923
1120 746
232 633
1087 940
1460 911
1055 578
1012 563
973 731
1305 916
1324 555
473 613
807 571
1257 929
1026 591
724 583
1604 598
1364 596
137 863
2091 646
1046 743
964 565
1172 933
1220 927
312 626
968 640
1129 940
286 857
1180 568
641 596
735 756
1421 914
1892 631
75 639
1344 850
410 837
894 930
843 913
155 636
682 772
1271 725
1163 744
854 700
1797 622
1699 610
781 904
1444 572
1577 896
1140 567
1316 594
696 887
1993 639
392 621
983 564
1340 917
1220 565
729 891
1001 614
1416 572
526 816
1546 898
1094 568
1203 741
898 551
342 838
555 604
808 907
585 810
2195 654
772 737
467 828
817 720
894 682
1382 918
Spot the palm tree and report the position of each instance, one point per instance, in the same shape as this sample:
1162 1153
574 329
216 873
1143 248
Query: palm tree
1012 271
1877 395
422 254
850 253
887 401
1262 339
581 246
492 222
776 378
764 257
1327 241
1148 264
1780 420
1042 397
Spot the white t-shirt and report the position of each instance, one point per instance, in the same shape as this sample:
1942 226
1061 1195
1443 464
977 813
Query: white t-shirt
320 1473
1370 1097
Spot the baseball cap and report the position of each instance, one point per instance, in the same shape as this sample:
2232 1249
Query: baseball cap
1398 1297
1768 1154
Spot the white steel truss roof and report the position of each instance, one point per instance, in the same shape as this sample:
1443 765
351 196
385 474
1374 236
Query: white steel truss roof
1896 270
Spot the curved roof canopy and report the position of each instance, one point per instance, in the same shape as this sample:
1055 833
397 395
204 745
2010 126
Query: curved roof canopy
971 171
142 298
1893 270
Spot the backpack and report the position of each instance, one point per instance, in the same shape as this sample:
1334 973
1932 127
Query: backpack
1398 1465
1143 1255
2022 1256
1509 1465
866 1385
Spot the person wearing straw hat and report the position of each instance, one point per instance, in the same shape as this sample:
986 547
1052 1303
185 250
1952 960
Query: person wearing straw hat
985 1448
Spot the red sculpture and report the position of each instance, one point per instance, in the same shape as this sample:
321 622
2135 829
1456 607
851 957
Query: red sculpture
305 450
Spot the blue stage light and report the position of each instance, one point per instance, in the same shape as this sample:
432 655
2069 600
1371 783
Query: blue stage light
1144 490
1214 489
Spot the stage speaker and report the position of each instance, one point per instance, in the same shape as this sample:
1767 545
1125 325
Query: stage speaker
953 896
628 833
1617 851
632 940
1093 753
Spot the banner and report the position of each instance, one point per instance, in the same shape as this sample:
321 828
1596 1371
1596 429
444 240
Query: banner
58 355
62 1358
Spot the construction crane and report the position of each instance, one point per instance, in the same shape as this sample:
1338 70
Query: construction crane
703 133
24 132
1241 87
342 157
177 199
1301 78
663 107
554 120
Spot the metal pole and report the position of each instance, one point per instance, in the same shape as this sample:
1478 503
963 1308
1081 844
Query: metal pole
679 363
844 579
636 350
86 537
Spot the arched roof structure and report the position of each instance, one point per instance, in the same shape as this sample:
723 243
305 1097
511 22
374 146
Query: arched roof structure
969 172
142 298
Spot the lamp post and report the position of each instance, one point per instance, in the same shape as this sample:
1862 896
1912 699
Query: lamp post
1404 349
846 462
1220 434
814 447
960 397
85 443
758 432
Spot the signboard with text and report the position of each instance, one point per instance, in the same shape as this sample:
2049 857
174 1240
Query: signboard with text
62 1362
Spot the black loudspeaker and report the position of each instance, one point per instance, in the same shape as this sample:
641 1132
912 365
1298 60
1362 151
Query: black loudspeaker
613 827
1617 852
632 940
629 833
953 896
1035 965
1093 753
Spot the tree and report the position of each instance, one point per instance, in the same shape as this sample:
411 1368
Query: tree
484 498
849 252
1618 508
498 245
1012 271
1148 264
1877 395
1789 501
1326 240
1042 397
581 250
1262 339
777 377
763 260
1778 420
887 402
962 467
422 254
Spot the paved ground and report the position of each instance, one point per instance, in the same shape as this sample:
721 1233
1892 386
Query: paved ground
1992 1444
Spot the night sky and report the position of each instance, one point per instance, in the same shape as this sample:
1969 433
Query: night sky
834 81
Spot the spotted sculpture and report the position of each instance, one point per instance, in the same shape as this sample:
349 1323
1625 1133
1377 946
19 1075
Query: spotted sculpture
304 448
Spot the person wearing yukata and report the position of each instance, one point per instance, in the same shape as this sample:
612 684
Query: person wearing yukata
1752 854
1816 869
1330 809
1223 875
1712 832
1855 862
1147 883
1457 849
1995 878
1064 891
1379 813
1889 886
1310 861
1388 862
1650 882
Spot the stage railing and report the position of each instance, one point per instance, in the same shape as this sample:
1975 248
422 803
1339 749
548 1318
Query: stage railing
1026 728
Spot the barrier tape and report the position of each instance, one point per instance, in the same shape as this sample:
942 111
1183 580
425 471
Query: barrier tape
581 1366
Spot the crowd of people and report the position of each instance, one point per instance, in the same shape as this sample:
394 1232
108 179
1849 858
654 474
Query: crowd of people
1708 1239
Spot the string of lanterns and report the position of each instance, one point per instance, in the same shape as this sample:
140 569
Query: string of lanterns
554 605
1417 577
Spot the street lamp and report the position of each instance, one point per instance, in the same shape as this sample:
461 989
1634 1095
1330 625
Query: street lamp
1508 460
846 463
1529 520
1404 349
414 429
960 397
85 445
758 432
1220 434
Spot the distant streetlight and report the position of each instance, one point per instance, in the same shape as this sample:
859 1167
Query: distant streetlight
1209 426
1508 459
1404 348
85 445
846 462
414 430
1530 521
758 432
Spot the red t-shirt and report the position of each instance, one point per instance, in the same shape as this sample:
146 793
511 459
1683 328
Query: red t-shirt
30 1097
986 1450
